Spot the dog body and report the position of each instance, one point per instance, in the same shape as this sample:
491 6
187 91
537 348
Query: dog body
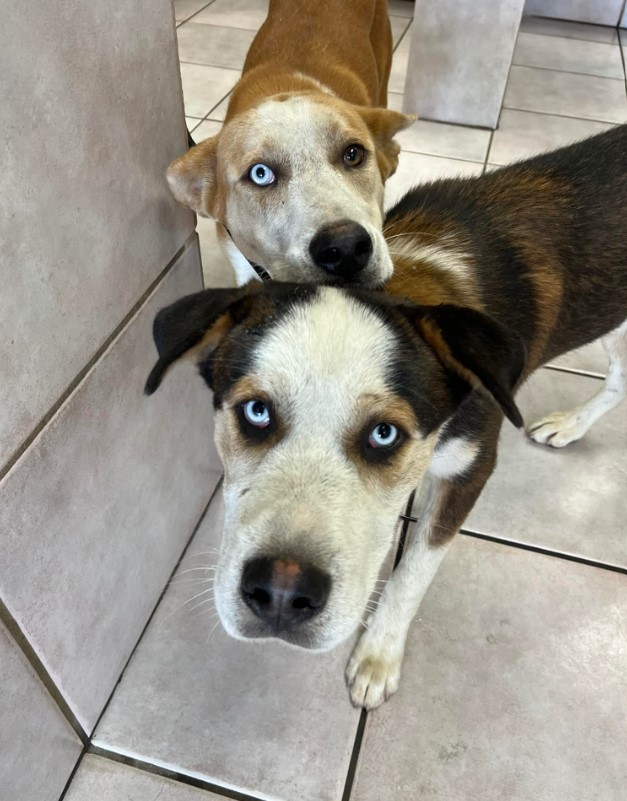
295 177
333 404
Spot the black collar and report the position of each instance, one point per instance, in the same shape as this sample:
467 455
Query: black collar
264 275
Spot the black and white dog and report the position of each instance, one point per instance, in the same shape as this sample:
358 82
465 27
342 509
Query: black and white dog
333 404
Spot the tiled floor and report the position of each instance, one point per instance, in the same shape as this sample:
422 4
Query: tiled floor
515 682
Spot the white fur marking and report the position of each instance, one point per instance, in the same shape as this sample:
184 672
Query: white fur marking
453 457
561 428
323 87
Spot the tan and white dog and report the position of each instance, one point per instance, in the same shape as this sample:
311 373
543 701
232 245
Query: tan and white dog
333 404
295 177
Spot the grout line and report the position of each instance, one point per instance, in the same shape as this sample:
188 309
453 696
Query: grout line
23 643
571 38
352 765
187 19
487 153
87 744
213 25
573 371
95 358
175 774
156 606
213 66
566 72
613 123
526 546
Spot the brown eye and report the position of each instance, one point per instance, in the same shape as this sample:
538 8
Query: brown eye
354 155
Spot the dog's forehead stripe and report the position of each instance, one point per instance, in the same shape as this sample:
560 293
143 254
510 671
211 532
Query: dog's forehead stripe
335 345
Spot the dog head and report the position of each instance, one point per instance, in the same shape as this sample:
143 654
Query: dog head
328 403
297 181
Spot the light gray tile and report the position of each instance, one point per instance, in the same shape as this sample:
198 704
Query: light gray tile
259 717
217 269
219 112
512 687
570 499
440 139
459 59
192 122
522 134
401 8
183 9
248 14
99 779
213 46
600 12
95 515
399 25
206 129
86 218
38 749
398 72
569 55
416 168
570 30
591 358
550 92
623 22
204 87
395 101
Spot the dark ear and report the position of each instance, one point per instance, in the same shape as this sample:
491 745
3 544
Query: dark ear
198 322
476 348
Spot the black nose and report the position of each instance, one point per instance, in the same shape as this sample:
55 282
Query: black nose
283 593
342 249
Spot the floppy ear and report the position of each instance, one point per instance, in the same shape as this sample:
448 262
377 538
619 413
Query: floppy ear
384 125
195 323
192 177
477 349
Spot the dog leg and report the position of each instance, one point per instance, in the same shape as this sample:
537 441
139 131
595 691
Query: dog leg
562 428
374 668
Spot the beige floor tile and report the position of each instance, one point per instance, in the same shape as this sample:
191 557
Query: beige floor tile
570 30
247 14
522 134
569 55
449 141
206 129
99 779
512 688
570 499
416 168
262 718
183 9
213 46
217 269
399 25
204 87
566 93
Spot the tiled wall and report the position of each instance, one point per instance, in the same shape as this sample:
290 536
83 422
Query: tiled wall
100 487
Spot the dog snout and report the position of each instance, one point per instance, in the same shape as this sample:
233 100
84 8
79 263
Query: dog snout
342 249
284 593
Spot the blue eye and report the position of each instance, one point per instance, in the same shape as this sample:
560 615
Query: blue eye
261 175
385 435
256 413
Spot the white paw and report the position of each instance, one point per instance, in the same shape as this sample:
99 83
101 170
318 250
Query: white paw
558 429
374 671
